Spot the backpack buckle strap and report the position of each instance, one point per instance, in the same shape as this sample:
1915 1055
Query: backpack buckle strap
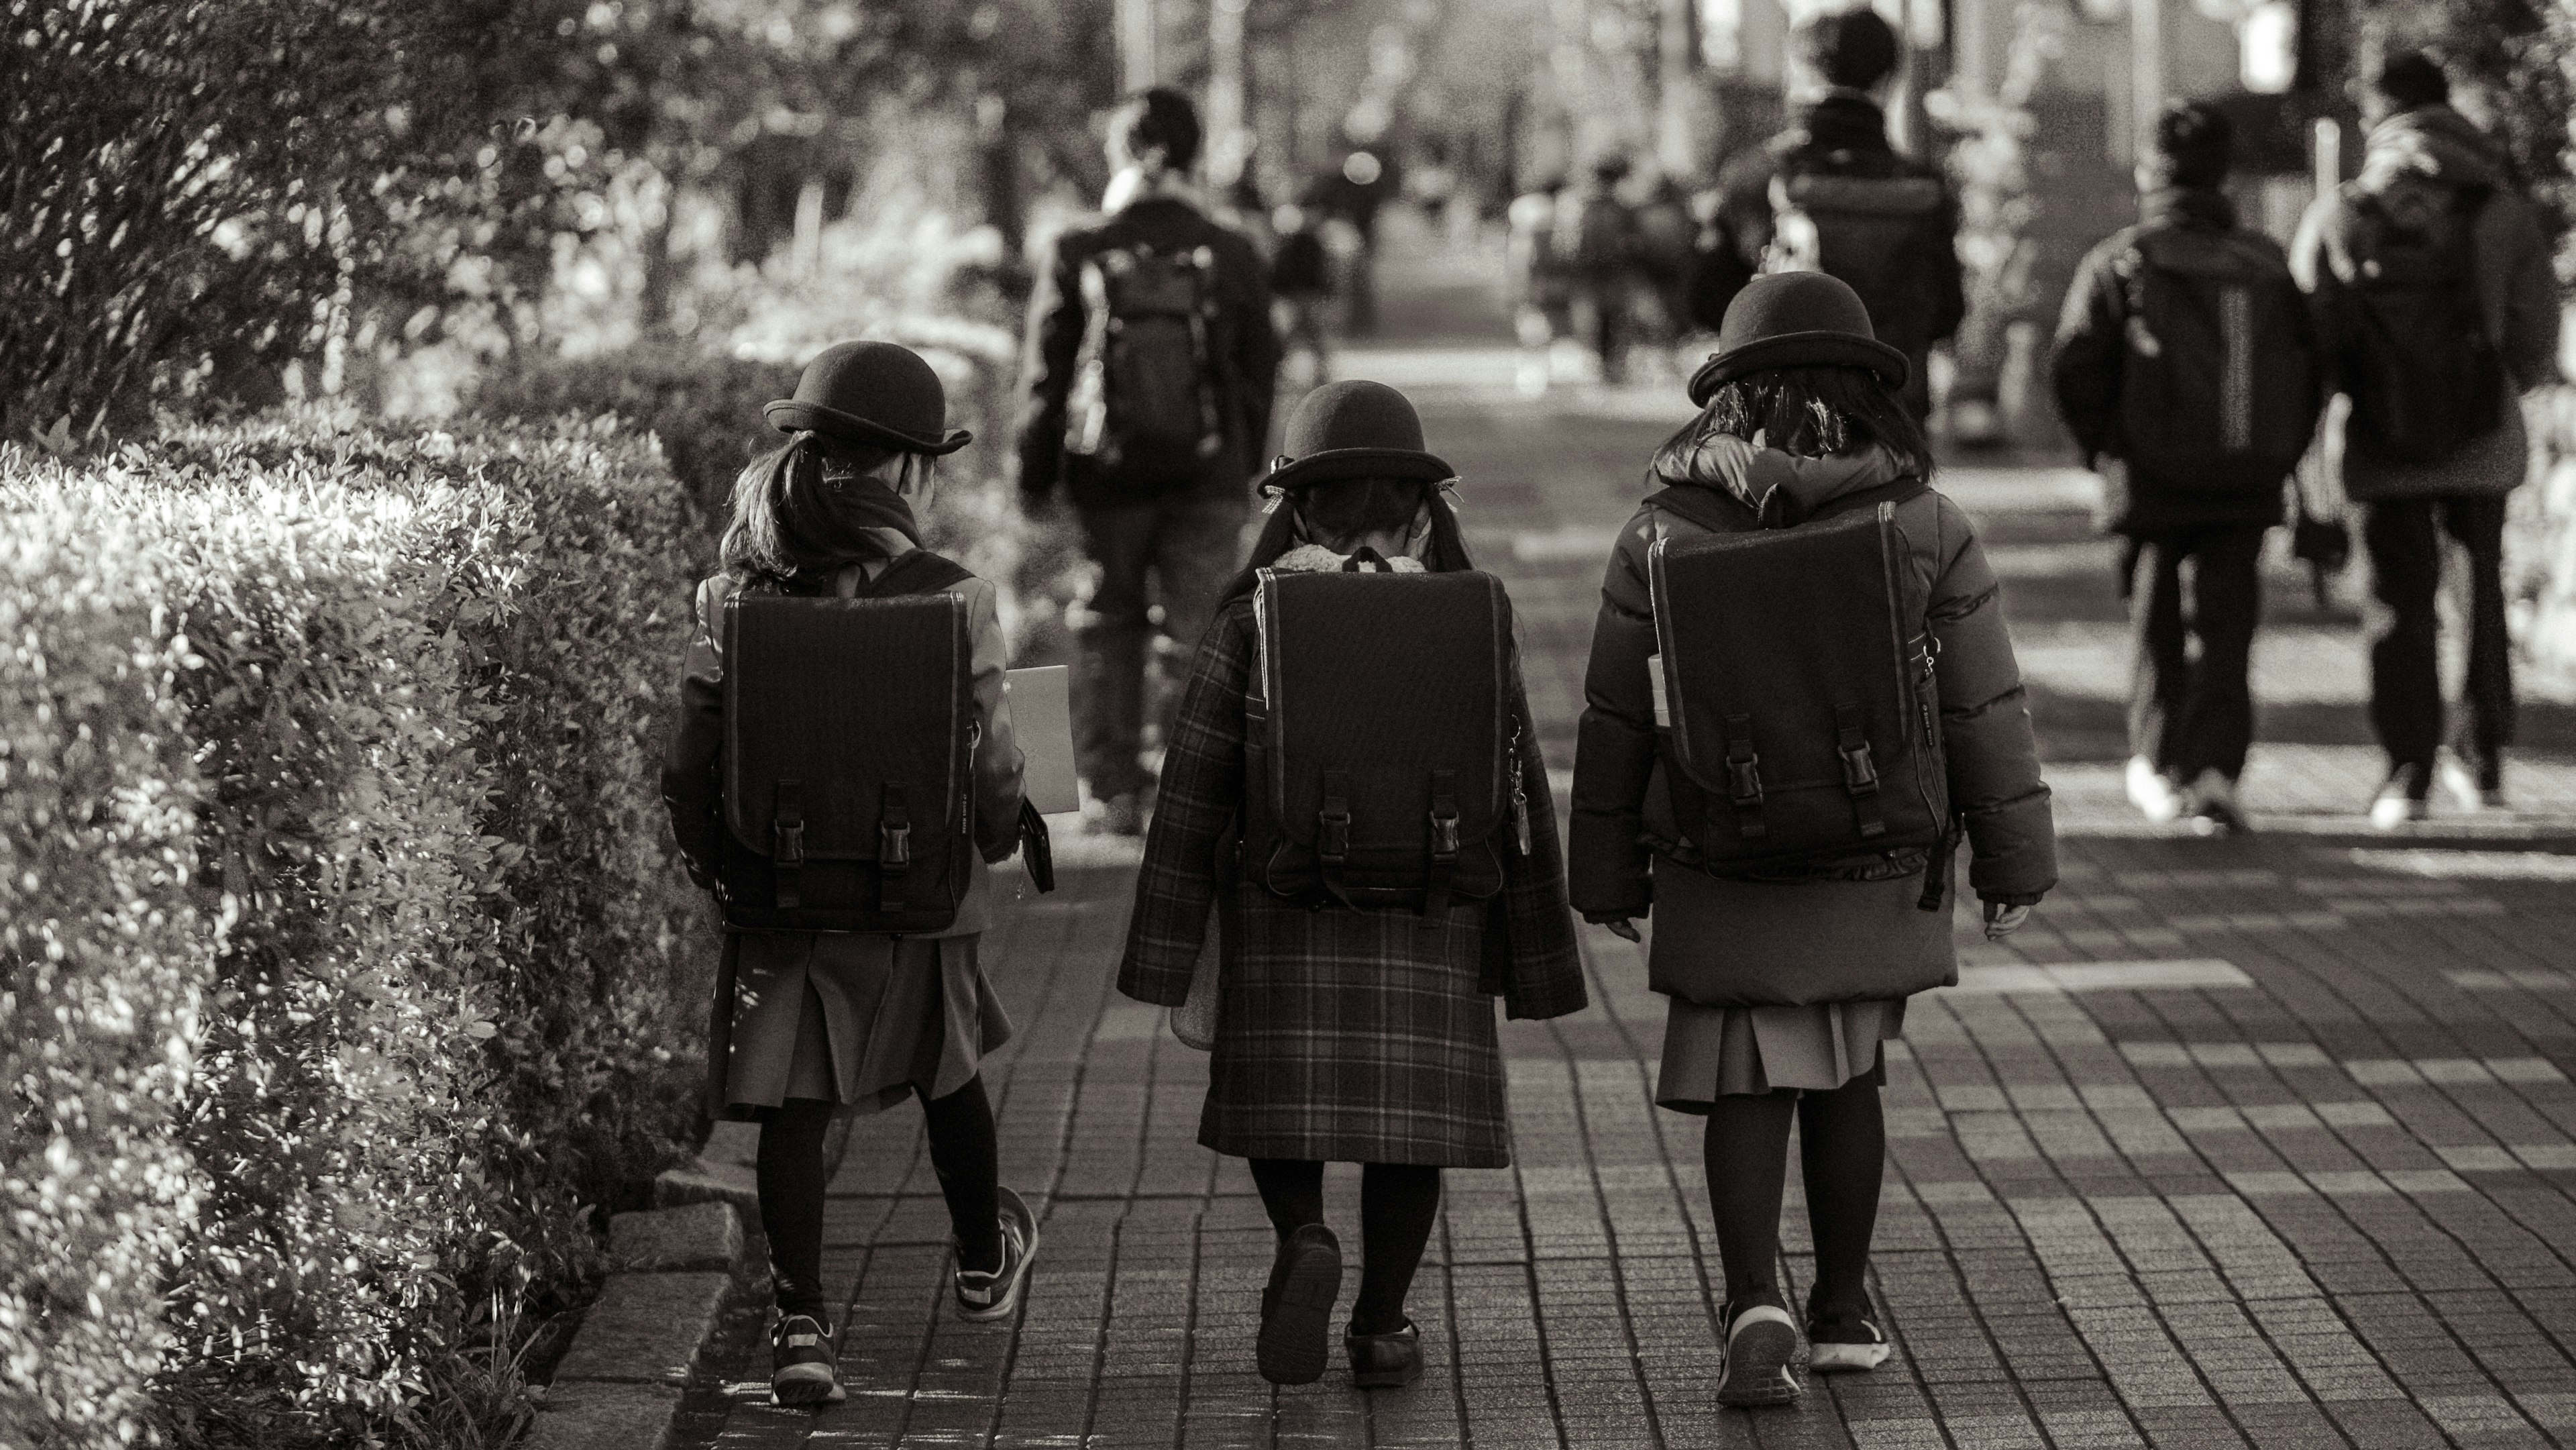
1333 835
1744 777
787 844
894 848
1444 843
1860 772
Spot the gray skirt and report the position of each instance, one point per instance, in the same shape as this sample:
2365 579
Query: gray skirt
1711 1052
862 1021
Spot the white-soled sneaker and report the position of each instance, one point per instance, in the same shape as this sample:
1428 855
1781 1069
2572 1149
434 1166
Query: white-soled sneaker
1754 1369
2152 792
985 1296
803 1363
2213 806
2461 784
1845 1339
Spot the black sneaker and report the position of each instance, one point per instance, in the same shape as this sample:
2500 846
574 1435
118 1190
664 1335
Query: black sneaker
1297 1307
1385 1361
1753 1368
1845 1337
803 1356
984 1296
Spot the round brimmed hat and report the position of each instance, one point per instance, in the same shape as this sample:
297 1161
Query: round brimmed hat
1353 429
871 393
1793 320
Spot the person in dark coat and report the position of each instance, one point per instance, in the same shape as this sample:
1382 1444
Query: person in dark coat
1798 368
2191 709
2428 170
1913 286
1355 1036
1183 537
807 1025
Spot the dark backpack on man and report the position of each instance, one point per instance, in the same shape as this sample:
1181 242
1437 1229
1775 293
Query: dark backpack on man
1380 740
2218 384
849 754
2423 373
1797 670
1144 406
1867 231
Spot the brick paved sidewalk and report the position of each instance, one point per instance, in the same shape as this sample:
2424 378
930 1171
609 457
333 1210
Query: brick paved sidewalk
2265 1141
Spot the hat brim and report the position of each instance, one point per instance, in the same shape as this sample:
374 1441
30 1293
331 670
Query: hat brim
1335 464
1794 350
788 415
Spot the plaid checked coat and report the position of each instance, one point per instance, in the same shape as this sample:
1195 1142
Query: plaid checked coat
1350 1036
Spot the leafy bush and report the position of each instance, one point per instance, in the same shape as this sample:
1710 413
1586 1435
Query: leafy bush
451 954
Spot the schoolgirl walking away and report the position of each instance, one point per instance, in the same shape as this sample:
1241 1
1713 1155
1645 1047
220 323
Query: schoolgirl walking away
1355 787
1801 689
842 775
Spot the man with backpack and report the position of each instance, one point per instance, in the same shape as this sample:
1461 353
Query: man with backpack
1596 234
2430 281
1829 194
1151 365
2186 370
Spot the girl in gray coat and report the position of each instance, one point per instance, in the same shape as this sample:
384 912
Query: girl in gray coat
1801 407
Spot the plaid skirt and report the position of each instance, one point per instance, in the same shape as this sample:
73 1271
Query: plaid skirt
1354 1037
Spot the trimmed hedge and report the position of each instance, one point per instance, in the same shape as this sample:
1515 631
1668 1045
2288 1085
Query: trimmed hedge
430 972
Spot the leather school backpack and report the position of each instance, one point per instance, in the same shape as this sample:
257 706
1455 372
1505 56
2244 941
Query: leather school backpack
849 754
1797 680
1380 739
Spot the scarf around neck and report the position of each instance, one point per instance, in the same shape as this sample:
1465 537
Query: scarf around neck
1768 480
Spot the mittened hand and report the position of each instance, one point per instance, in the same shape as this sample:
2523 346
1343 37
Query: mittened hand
2002 921
1620 926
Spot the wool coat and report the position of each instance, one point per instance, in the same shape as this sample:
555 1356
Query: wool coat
1350 1036
2419 165
1853 924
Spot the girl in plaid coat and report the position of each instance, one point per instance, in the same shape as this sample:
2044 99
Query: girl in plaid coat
1343 1035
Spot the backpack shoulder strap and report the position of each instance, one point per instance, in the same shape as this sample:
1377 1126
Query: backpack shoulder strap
919 572
1904 488
1706 507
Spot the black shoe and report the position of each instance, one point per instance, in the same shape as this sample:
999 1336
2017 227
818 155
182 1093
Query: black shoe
1753 1367
1385 1361
1297 1307
803 1359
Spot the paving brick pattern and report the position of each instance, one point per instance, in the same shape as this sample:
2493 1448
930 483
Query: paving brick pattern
2265 1141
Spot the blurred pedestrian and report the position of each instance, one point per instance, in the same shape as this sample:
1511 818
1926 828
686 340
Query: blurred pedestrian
1371 826
2187 371
1148 382
1758 768
2431 281
848 985
1830 194
1301 282
1665 237
1597 235
1539 277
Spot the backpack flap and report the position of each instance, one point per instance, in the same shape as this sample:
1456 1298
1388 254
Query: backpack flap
1799 731
1385 756
2422 370
845 761
1153 420
1865 230
2217 386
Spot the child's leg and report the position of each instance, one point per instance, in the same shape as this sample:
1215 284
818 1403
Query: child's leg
790 1177
1292 1190
962 1154
1842 1147
1399 1202
1748 1170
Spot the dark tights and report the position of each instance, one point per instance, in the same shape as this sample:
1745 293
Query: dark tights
1398 1204
791 1173
1841 1143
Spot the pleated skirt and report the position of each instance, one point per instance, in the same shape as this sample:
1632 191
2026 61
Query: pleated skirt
859 1020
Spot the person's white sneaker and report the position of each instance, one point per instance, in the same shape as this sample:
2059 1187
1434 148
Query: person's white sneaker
2212 801
2395 809
2152 793
2462 785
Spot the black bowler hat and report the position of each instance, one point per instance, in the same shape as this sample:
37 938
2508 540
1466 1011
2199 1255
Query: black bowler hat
1792 320
1353 429
874 394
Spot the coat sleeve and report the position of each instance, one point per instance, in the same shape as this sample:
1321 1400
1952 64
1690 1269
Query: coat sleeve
691 789
2520 292
1544 975
998 766
2092 342
1614 755
1949 280
1202 789
1046 369
1991 751
2321 263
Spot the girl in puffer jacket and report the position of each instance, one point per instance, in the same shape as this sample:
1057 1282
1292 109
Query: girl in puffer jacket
1801 406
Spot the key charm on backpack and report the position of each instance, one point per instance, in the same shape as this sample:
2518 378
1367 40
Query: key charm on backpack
1520 793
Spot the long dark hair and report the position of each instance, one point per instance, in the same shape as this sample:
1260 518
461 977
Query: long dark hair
1810 411
805 508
